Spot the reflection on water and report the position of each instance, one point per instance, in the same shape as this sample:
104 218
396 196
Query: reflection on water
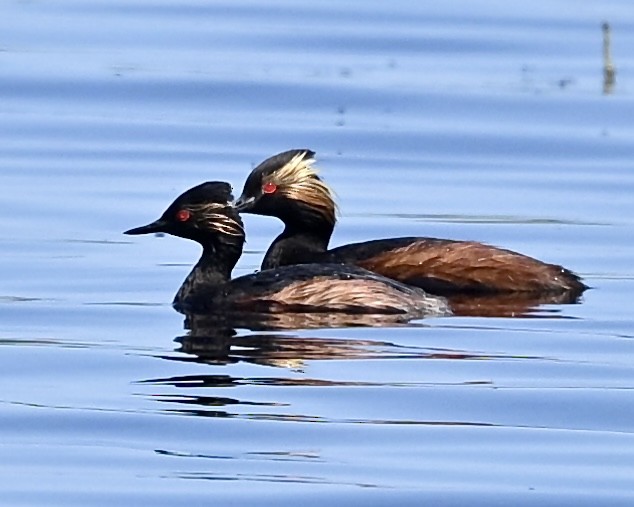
220 346
200 324
512 305
275 457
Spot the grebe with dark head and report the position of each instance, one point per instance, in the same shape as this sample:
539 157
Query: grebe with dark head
205 214
287 186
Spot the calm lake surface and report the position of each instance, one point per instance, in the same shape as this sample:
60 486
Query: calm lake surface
479 120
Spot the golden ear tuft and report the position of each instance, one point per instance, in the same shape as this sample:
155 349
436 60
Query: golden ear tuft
210 215
299 180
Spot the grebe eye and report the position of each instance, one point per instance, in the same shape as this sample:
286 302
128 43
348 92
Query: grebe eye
183 215
269 187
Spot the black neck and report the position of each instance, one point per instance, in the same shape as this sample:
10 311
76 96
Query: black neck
213 269
306 234
298 245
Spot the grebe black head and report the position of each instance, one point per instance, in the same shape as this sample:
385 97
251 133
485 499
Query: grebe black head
204 214
197 214
288 186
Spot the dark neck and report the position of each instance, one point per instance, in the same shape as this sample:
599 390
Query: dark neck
212 271
298 245
306 234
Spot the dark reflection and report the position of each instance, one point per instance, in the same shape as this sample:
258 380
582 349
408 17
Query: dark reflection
217 394
220 340
516 304
289 321
210 340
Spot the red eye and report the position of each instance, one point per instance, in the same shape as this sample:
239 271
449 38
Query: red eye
269 188
183 215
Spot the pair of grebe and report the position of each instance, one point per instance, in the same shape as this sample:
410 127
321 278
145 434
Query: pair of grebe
299 272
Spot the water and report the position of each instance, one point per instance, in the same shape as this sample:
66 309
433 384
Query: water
473 120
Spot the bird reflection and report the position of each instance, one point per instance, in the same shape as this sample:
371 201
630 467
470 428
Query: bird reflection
213 344
212 340
295 320
517 304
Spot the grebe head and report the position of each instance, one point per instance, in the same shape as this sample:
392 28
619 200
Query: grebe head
285 185
204 214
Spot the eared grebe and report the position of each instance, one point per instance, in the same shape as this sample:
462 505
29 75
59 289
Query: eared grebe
204 214
288 187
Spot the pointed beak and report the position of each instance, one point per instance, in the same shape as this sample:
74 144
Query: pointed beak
157 226
243 203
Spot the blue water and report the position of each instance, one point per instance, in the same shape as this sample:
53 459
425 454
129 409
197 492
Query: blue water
476 120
